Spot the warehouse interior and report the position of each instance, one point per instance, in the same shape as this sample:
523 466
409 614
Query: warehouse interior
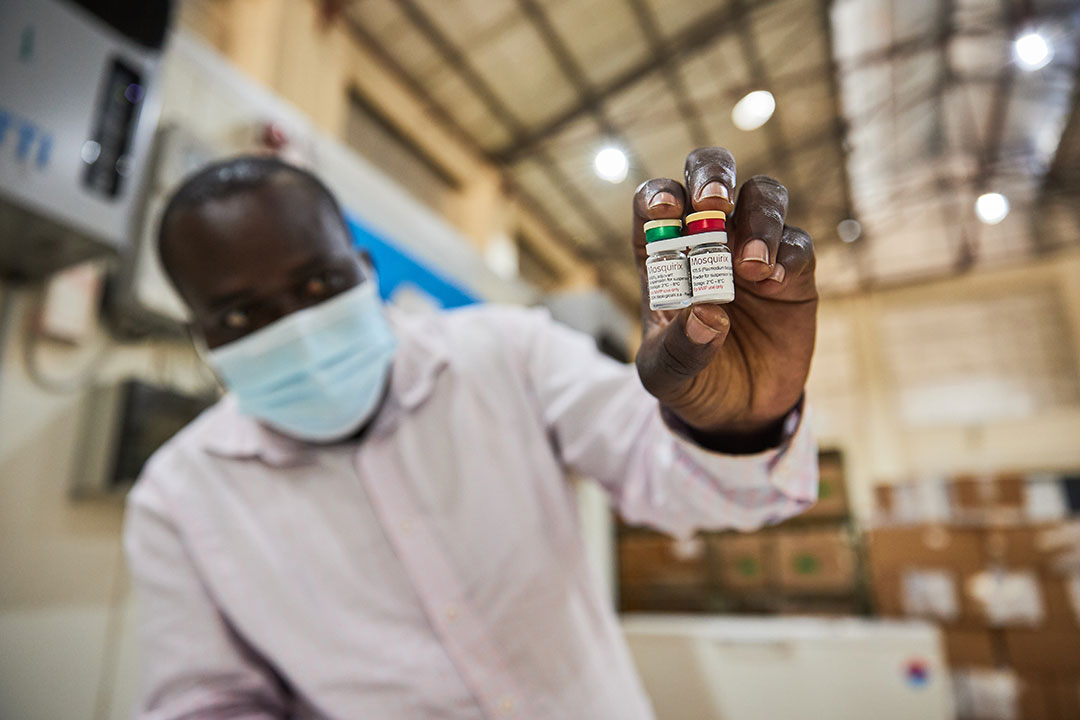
487 151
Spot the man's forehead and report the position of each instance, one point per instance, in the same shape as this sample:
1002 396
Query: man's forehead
284 217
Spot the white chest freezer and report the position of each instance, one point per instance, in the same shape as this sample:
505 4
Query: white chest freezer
745 668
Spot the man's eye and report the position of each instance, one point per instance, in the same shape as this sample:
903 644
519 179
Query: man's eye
236 319
316 286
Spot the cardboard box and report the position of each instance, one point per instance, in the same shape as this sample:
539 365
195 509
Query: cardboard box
664 598
926 501
1036 698
741 562
970 648
1062 596
1003 491
1043 650
832 491
958 549
815 561
654 559
884 500
885 590
1019 547
1067 696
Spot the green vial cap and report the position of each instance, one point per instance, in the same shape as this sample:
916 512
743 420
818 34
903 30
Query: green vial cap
662 230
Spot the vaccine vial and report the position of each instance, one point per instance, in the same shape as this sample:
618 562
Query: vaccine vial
666 266
711 277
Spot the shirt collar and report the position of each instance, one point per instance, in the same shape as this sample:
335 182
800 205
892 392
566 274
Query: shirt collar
422 353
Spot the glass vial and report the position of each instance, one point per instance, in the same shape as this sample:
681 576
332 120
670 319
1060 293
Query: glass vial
666 266
712 279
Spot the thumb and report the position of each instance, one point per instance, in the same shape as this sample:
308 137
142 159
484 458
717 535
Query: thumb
671 355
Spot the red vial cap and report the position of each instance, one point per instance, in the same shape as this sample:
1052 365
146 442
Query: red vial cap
706 221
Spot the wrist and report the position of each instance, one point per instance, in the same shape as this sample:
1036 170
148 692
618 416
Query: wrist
737 439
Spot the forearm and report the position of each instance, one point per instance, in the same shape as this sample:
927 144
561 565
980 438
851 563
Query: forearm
679 487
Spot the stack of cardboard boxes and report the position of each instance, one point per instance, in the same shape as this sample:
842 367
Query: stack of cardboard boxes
983 569
809 564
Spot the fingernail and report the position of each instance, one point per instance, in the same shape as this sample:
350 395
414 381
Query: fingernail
714 189
757 251
778 273
698 332
661 198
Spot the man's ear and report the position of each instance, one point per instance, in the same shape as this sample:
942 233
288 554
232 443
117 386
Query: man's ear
195 338
367 260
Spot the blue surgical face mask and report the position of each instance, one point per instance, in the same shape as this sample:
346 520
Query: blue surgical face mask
316 374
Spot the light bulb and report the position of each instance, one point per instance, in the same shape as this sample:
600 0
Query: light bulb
1032 51
849 230
611 164
991 208
754 110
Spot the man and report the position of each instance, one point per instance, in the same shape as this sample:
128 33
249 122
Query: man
375 523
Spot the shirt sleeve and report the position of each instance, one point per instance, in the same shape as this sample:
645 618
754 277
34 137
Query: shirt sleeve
193 665
607 427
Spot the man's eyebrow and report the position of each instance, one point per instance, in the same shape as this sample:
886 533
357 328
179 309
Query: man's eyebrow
230 298
308 266
315 263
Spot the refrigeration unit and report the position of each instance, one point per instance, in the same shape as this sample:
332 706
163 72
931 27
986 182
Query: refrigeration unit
790 668
76 121
211 110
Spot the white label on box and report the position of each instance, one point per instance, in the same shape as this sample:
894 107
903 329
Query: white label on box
905 504
932 500
1044 499
987 694
930 593
1007 598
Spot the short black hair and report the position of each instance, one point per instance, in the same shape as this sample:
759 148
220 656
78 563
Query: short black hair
235 175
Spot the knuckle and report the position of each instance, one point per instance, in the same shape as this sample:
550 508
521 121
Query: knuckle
767 180
798 237
675 363
770 189
710 162
801 248
772 214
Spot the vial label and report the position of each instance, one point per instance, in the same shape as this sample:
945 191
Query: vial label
669 282
712 277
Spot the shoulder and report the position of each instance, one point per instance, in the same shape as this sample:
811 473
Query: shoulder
483 328
167 470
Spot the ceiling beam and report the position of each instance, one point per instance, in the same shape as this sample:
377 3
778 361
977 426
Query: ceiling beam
840 127
455 58
443 116
684 104
577 201
705 31
999 111
717 25
571 70
779 151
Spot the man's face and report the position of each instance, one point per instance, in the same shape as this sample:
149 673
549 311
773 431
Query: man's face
246 260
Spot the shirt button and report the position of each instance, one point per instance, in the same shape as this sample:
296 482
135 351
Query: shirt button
406 526
451 613
506 706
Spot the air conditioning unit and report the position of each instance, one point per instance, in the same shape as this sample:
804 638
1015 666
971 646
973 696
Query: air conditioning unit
77 115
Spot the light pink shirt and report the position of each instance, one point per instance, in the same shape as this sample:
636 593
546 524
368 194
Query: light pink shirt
434 569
